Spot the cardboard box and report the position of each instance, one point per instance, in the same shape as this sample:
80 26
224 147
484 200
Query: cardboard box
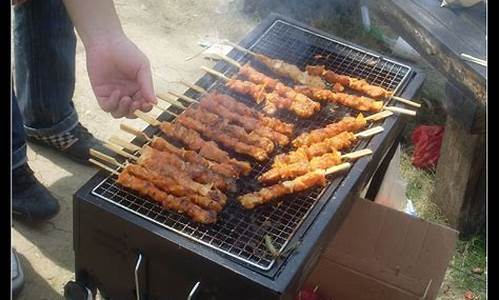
381 253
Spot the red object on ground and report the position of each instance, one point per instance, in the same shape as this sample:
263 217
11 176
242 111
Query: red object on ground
427 141
309 294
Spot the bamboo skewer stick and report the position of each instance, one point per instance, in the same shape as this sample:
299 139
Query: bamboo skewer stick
113 147
406 101
103 166
476 60
379 116
197 88
168 111
159 107
134 131
172 102
370 132
183 97
215 73
146 118
120 142
188 99
400 110
104 157
356 154
228 60
238 47
336 169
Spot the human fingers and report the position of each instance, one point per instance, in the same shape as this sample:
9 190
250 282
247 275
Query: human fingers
146 107
145 80
135 105
110 103
123 107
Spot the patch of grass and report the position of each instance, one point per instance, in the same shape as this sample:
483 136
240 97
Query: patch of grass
467 271
470 256
420 188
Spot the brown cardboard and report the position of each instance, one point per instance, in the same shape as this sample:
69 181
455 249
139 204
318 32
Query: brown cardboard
382 253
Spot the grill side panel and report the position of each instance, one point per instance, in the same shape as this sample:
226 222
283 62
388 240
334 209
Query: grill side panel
108 248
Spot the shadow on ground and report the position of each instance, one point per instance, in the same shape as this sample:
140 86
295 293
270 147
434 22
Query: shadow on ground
54 238
35 286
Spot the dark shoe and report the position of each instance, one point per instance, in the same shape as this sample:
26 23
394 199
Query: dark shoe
74 144
16 273
30 199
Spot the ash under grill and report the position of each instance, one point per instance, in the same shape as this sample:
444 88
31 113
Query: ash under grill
240 233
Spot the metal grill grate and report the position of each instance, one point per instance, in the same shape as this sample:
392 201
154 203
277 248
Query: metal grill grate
240 233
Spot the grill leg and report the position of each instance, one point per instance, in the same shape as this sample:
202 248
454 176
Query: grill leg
74 290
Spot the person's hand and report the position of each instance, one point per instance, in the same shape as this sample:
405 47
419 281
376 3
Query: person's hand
120 76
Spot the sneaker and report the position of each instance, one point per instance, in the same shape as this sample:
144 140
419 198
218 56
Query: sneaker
74 144
16 273
30 199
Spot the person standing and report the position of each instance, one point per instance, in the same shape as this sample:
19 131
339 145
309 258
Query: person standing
42 108
43 111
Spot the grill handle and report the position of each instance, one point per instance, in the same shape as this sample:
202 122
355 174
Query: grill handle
136 276
193 291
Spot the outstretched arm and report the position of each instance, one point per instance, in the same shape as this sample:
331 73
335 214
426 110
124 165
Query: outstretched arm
119 72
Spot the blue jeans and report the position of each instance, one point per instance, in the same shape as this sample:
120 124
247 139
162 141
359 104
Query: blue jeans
44 49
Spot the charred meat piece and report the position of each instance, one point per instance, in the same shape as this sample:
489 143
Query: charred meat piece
178 204
207 149
267 194
356 102
302 167
331 130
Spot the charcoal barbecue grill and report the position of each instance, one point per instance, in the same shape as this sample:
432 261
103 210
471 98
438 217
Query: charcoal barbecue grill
130 248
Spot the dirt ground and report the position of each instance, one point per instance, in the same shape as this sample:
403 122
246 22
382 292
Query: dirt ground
168 32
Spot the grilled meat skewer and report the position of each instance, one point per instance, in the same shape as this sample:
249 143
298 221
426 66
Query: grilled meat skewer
151 160
236 106
207 149
291 71
304 94
249 123
359 85
298 184
340 141
179 204
331 130
195 171
272 101
304 166
357 102
301 167
159 143
284 69
216 134
223 169
311 77
272 84
237 132
153 186
169 185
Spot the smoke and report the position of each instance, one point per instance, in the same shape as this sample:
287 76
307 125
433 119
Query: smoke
341 18
309 12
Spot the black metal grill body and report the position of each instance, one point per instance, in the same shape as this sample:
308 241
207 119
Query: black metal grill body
112 227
